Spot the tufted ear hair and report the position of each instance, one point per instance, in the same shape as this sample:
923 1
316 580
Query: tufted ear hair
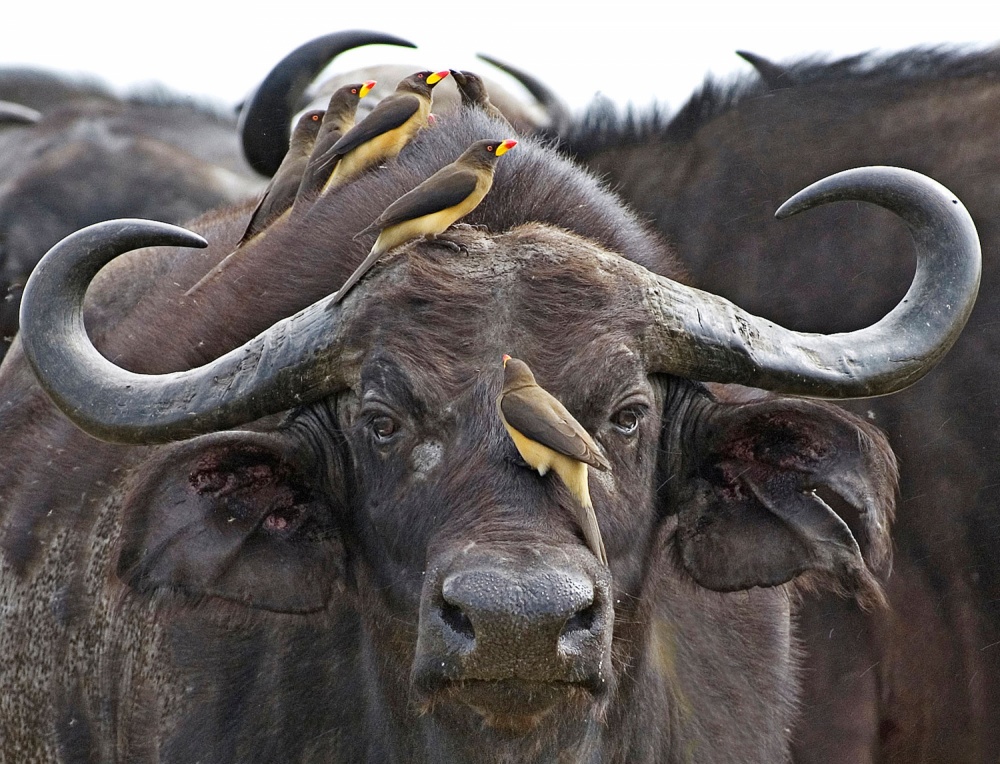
779 487
231 515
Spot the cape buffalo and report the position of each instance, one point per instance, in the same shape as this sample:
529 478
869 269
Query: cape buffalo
919 682
305 536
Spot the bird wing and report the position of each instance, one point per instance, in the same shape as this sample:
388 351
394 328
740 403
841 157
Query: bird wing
542 418
388 115
277 198
444 189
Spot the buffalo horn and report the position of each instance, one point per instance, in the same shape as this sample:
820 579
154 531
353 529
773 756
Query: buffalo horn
555 109
701 336
18 114
265 120
295 361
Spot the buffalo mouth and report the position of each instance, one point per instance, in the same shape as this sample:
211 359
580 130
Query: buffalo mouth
514 705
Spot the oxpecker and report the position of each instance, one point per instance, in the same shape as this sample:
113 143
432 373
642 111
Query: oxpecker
339 118
383 133
280 192
548 437
429 209
472 89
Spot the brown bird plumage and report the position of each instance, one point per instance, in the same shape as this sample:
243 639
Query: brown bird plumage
338 119
429 209
383 133
472 89
281 191
279 195
548 437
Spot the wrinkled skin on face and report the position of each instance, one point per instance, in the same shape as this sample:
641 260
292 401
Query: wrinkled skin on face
377 576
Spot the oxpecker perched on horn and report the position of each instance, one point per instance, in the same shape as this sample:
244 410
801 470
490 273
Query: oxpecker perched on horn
548 437
383 133
429 209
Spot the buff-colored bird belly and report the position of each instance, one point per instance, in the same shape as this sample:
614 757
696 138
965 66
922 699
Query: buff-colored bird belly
542 458
436 222
378 149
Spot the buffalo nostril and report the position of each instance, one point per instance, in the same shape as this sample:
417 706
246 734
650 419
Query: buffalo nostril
457 620
578 630
582 620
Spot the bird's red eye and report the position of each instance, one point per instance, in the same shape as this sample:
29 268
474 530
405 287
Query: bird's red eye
354 90
490 149
315 118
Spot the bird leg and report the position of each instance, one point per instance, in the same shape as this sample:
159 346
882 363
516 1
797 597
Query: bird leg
448 243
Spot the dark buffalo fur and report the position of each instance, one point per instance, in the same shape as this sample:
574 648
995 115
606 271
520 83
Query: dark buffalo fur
261 595
921 682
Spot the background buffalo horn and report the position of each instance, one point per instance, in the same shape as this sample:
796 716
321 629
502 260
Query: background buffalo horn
555 109
701 336
265 120
18 114
296 360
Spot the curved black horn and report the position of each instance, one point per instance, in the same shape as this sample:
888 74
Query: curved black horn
265 120
557 111
18 114
774 75
705 337
297 359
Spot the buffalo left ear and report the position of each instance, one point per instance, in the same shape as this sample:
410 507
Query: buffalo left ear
773 490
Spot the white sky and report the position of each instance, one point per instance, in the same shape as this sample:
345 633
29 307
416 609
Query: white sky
629 50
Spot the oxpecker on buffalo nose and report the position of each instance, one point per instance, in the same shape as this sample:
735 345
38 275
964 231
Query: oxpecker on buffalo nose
548 437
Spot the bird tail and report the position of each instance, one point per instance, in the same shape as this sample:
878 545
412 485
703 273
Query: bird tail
360 271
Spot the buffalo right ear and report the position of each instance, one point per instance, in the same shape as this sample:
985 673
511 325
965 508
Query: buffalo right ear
231 515
780 487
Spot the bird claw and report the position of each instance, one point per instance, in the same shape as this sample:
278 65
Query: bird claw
447 243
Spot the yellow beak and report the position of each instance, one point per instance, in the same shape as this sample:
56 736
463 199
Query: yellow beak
504 147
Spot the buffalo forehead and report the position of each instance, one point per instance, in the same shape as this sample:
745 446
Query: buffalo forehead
535 292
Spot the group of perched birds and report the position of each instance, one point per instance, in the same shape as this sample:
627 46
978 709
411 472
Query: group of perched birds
327 149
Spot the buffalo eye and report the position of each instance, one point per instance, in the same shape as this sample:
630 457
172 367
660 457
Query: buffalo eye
626 420
383 427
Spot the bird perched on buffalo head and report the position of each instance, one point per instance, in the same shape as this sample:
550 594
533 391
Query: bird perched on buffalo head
386 130
472 89
429 209
280 192
548 437
338 119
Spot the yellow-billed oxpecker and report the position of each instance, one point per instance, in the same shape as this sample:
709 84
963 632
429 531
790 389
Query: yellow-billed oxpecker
383 133
339 118
429 209
549 438
472 89
281 191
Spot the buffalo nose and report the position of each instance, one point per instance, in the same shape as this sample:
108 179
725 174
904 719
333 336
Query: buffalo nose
545 607
499 621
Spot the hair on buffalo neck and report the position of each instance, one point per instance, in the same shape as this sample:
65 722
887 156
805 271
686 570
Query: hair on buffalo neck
306 258
605 125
